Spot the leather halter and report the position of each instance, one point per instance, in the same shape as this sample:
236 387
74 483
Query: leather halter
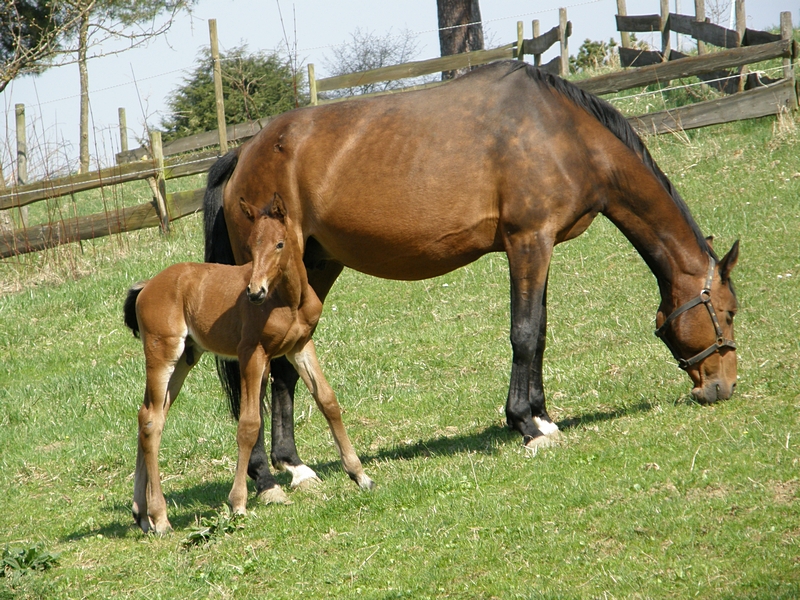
703 298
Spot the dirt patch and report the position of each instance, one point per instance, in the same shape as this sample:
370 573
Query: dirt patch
785 492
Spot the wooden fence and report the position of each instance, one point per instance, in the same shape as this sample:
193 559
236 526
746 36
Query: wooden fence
155 163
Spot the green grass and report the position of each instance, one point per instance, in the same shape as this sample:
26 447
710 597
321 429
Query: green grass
650 496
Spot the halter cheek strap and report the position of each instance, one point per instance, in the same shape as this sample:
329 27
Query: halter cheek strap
703 298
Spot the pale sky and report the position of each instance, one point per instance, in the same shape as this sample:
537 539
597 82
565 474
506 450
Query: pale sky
140 80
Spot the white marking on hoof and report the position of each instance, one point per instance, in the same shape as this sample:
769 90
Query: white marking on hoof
546 427
274 495
302 474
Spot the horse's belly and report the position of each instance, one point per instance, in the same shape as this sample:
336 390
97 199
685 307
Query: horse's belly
397 247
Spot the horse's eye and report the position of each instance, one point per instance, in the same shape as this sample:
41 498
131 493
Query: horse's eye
280 245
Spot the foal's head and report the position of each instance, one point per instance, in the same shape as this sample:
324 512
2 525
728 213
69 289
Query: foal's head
266 245
700 333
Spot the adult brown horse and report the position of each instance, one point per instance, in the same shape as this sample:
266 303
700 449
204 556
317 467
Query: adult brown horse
506 159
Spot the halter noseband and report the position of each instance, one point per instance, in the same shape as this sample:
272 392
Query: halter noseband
703 298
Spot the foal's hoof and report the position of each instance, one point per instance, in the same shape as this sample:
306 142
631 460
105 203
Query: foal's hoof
364 482
274 495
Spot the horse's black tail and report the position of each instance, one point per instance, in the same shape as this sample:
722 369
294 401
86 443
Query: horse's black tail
218 250
129 308
217 243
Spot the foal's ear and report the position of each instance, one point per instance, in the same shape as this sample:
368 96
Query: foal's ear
710 241
248 209
729 261
277 209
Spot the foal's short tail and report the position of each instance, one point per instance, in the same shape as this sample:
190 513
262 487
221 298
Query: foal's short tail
129 308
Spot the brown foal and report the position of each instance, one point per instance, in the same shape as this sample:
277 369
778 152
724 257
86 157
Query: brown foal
252 313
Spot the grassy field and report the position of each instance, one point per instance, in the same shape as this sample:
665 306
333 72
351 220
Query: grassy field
650 496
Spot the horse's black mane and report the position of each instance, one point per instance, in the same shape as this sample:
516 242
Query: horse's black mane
615 122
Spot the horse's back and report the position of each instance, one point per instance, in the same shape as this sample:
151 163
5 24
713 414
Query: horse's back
411 185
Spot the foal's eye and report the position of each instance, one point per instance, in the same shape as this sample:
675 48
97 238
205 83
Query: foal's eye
279 246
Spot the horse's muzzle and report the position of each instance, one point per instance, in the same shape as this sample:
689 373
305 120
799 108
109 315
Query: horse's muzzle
711 392
258 296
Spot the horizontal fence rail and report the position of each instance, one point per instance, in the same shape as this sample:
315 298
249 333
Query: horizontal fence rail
754 47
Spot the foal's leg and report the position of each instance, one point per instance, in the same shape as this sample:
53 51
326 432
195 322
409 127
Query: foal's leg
166 366
307 365
253 362
322 275
529 256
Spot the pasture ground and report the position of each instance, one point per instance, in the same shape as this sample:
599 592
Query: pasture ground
650 496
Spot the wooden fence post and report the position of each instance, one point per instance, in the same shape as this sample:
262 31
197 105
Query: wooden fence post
22 157
520 41
624 36
123 130
537 58
787 33
312 85
741 20
563 65
159 184
665 41
222 128
700 17
6 224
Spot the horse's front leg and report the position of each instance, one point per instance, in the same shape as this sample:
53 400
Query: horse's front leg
541 419
284 452
529 256
253 364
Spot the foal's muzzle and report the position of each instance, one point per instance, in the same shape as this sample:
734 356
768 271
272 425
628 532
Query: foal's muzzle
258 296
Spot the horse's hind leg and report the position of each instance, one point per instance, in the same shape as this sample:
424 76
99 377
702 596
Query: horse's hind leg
305 360
167 367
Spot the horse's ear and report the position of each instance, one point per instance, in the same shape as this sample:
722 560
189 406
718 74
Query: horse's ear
248 210
278 208
729 261
710 241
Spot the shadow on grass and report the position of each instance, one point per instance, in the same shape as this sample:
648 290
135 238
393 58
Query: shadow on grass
204 499
484 442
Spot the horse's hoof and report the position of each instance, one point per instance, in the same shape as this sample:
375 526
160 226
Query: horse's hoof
302 476
274 495
556 436
162 527
365 483
142 523
543 441
307 484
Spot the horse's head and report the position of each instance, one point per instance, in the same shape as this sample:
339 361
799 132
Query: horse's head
699 332
266 244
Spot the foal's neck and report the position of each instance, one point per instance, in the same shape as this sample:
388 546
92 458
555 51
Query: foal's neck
293 277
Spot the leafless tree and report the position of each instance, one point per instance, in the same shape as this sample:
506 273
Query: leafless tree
366 51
